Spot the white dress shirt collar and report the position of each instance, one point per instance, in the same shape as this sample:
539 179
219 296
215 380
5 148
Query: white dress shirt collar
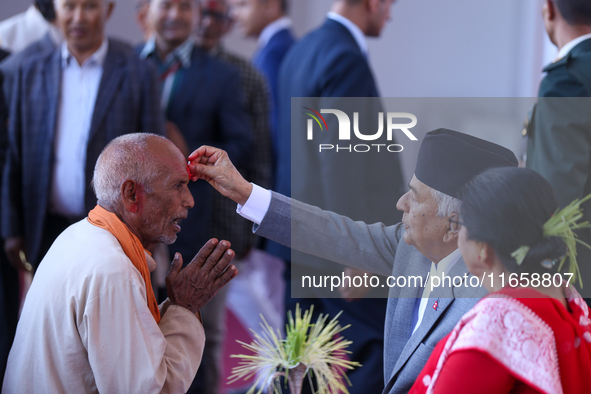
98 56
445 265
353 29
436 270
569 46
273 28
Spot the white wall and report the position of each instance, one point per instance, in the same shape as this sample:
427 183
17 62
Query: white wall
448 48
12 7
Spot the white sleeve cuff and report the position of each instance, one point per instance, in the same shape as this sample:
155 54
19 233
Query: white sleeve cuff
256 206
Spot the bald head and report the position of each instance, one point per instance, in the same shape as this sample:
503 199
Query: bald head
131 156
143 179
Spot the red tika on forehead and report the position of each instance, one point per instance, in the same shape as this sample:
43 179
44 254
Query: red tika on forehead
189 171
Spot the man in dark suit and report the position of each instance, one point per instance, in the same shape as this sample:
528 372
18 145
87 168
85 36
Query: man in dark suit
331 61
559 144
267 21
202 97
67 105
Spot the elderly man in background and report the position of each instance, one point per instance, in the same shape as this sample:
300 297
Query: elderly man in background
67 105
90 321
424 243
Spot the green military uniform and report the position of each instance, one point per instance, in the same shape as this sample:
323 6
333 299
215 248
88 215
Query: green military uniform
559 144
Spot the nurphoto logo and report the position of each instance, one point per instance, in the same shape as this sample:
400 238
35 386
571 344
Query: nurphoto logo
395 121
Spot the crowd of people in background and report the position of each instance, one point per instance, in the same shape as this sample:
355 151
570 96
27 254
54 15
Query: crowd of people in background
70 93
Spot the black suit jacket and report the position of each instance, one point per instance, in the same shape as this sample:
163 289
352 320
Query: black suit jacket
127 102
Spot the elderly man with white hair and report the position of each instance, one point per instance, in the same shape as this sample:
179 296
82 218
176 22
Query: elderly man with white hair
90 322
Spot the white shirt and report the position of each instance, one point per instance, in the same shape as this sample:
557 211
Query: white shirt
437 270
271 29
569 46
257 205
23 29
353 29
86 326
79 88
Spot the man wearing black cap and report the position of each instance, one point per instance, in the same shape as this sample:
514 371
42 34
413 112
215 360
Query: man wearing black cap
424 243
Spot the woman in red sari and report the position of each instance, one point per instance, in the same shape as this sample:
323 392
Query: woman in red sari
531 334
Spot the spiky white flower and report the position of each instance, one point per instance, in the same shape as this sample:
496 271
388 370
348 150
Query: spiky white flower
310 349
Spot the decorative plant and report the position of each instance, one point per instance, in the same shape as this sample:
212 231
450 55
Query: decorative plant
563 224
312 350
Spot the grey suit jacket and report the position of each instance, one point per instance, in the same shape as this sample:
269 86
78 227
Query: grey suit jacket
127 102
380 249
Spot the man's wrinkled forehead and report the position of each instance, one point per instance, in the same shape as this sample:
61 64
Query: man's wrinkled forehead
167 157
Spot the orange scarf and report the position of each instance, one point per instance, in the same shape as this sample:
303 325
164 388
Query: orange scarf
132 247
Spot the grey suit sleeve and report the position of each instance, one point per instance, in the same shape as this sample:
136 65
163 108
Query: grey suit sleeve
331 236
